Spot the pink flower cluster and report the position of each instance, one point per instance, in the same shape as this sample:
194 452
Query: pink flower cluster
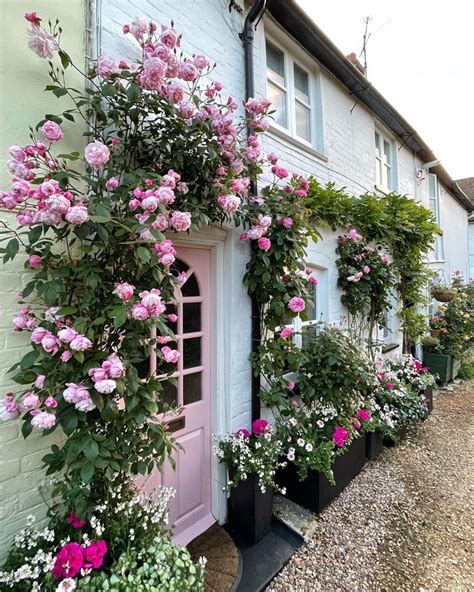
66 336
73 558
76 522
104 377
296 304
42 43
79 396
340 436
166 252
150 307
260 426
25 319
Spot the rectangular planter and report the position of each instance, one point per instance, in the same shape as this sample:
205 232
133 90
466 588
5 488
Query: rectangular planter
374 445
315 492
439 364
456 368
428 394
401 432
251 510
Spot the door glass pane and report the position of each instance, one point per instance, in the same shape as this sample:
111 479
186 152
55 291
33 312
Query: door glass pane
301 84
302 121
311 306
192 388
163 367
275 65
179 266
191 352
168 396
190 287
278 99
191 317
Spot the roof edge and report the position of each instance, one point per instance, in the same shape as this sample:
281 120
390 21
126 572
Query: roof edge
300 25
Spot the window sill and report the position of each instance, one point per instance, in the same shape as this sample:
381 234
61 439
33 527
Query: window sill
382 190
390 347
437 261
301 145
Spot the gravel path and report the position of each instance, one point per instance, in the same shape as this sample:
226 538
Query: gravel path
405 524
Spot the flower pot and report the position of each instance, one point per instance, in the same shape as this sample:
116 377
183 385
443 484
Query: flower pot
400 434
374 445
315 492
456 366
428 395
440 364
444 295
251 510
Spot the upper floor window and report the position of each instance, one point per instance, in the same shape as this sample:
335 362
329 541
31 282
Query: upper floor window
384 162
433 195
289 88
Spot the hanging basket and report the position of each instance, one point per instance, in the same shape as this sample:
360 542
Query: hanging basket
444 295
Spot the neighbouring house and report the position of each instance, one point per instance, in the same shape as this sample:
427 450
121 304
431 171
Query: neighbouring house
330 122
467 185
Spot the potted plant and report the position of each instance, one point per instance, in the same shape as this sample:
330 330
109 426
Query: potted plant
437 362
252 461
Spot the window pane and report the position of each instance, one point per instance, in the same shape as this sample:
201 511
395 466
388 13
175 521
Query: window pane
311 306
301 84
192 388
432 186
386 152
168 396
303 128
309 334
190 286
278 99
191 352
377 145
275 64
191 317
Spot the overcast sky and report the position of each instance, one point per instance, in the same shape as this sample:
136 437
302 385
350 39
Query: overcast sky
421 58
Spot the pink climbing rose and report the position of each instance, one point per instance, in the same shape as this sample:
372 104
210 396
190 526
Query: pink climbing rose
52 131
96 154
296 304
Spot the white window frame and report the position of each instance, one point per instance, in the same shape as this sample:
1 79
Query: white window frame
437 253
293 55
381 165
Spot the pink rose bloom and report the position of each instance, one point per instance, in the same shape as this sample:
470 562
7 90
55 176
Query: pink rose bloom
200 61
57 204
244 236
356 423
264 244
93 554
25 218
67 335
286 332
124 290
112 183
137 28
169 37
66 356
50 343
256 232
80 343
172 318
353 234
363 415
150 203
287 222
165 195
167 259
175 93
106 67
188 72
160 223
153 73
242 433
34 261
39 382
366 269
52 131
42 420
20 322
8 408
229 203
170 355
356 277
76 522
33 18
181 221
260 426
71 393
385 259
105 386
68 562
41 42
186 110
17 153
85 405
96 154
151 298
115 366
279 171
78 214
30 401
389 386
51 402
296 304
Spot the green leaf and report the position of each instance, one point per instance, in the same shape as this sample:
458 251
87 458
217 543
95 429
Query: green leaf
12 248
133 92
50 295
108 90
120 318
59 92
91 449
79 356
67 310
29 359
87 471
69 423
34 234
144 254
65 59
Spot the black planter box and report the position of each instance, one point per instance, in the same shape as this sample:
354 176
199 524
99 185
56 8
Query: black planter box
251 510
428 394
401 432
315 492
374 445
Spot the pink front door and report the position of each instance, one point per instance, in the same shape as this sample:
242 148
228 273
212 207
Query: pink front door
190 510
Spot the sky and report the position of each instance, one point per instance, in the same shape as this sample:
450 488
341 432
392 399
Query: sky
420 56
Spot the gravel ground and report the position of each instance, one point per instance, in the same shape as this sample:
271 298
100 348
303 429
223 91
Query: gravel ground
405 523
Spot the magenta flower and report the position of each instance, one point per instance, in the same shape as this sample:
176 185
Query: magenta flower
260 426
242 433
69 562
363 415
93 554
74 521
34 261
264 244
286 332
296 304
389 386
340 436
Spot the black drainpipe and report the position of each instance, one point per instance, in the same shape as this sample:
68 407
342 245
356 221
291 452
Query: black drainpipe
247 36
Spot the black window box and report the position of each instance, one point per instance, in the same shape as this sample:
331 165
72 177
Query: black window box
374 445
400 434
428 394
315 492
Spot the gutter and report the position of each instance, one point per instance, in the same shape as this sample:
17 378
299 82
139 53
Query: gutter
247 36
298 24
